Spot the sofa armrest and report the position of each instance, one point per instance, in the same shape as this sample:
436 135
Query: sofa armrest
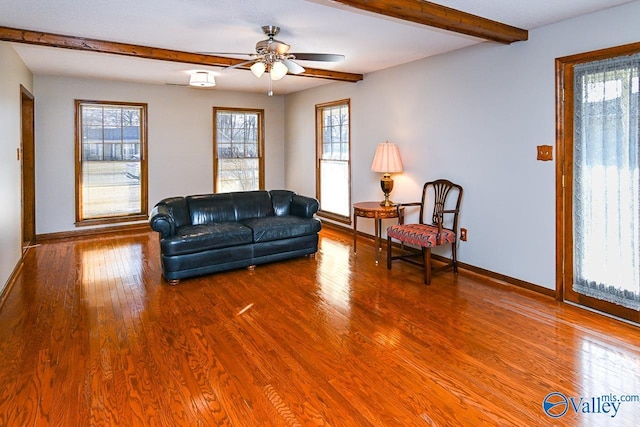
304 206
162 221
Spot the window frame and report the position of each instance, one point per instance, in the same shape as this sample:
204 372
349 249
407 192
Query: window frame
144 199
261 138
320 108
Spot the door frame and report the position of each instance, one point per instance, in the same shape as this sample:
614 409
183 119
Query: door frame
27 168
564 180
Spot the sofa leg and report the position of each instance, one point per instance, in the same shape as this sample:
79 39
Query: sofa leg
173 282
251 267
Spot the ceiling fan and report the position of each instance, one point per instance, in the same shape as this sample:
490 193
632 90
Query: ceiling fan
273 56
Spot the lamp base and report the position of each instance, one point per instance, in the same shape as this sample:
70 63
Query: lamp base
386 183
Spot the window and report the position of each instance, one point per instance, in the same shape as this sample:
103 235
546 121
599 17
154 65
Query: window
238 146
111 168
333 149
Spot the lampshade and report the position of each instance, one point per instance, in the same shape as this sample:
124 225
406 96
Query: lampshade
387 158
278 70
202 79
258 69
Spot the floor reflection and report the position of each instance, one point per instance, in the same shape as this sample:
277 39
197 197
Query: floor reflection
334 279
115 269
610 385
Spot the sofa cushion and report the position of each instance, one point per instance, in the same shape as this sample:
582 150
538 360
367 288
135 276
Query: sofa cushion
198 238
209 208
281 201
252 204
281 227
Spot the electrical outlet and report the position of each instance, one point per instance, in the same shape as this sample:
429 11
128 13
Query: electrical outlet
463 234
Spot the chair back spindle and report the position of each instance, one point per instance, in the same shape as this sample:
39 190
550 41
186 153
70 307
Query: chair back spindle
441 189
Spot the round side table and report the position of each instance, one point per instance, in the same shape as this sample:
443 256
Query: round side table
378 213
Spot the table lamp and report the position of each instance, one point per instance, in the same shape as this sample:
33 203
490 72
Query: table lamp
387 160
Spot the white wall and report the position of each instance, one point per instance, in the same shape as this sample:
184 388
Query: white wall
14 73
474 116
180 140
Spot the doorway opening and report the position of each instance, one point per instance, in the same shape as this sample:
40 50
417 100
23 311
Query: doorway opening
27 166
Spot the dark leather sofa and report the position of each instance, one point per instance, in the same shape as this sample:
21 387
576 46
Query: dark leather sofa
209 233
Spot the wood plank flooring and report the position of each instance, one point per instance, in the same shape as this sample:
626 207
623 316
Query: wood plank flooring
90 335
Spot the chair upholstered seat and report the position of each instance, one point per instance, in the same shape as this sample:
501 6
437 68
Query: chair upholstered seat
422 235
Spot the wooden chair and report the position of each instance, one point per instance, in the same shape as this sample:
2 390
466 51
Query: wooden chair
426 235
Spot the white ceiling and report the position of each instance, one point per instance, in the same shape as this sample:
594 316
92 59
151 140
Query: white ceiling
370 42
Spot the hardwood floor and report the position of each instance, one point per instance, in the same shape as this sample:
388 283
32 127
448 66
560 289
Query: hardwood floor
90 335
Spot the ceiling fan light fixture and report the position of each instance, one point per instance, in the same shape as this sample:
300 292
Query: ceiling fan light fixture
202 79
258 69
278 70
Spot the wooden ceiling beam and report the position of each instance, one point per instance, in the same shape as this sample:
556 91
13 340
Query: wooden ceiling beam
16 35
438 16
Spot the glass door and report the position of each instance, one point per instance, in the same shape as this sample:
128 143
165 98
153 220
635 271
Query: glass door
602 256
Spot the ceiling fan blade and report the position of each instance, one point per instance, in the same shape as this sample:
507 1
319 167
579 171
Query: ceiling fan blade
325 57
188 86
293 67
231 67
226 53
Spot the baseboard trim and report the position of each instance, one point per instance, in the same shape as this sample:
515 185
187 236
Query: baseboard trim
90 232
493 277
500 279
12 279
335 226
348 230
